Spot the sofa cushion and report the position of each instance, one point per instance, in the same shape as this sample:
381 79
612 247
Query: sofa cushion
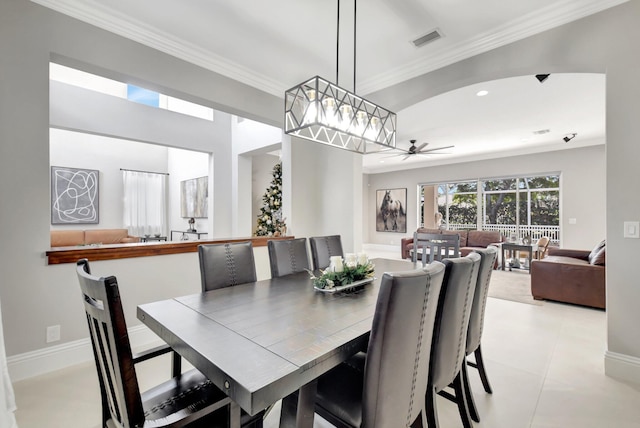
596 250
482 238
599 258
105 236
67 238
565 260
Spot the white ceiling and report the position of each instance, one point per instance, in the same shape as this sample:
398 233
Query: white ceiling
273 45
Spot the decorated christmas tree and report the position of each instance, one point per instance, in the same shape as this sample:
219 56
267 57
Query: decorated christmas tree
270 221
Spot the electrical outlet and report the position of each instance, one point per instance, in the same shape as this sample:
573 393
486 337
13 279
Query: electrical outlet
53 333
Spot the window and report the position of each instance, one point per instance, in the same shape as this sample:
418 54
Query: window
145 202
520 205
133 93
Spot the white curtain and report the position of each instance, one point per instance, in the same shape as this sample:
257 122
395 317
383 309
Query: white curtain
145 203
7 398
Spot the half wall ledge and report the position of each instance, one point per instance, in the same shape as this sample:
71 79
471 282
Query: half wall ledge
60 255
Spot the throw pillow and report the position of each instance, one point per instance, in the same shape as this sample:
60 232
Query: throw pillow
595 250
600 257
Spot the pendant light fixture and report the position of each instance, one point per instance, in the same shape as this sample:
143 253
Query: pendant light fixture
321 111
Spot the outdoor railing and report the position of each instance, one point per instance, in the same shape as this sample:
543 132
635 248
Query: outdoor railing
535 232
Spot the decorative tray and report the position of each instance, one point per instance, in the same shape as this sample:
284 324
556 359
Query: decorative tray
346 287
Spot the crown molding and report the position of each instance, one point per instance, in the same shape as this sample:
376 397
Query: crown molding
561 12
92 12
552 16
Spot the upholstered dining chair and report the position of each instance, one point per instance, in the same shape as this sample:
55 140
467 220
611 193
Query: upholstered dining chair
224 265
488 258
450 335
187 398
323 247
435 246
287 256
385 386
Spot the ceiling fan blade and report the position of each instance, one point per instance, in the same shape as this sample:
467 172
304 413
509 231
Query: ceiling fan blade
439 148
406 157
396 155
420 147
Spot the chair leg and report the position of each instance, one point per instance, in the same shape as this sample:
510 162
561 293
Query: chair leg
481 370
473 410
461 399
430 407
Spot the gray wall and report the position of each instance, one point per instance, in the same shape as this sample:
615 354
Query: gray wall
582 190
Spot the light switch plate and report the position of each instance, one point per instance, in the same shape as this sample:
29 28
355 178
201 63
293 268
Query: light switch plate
573 221
632 229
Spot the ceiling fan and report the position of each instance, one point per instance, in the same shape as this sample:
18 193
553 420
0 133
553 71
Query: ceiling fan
420 150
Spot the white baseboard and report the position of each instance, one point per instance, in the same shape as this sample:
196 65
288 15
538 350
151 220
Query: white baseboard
622 367
42 361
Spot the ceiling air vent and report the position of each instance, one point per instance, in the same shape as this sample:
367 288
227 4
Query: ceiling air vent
542 131
427 38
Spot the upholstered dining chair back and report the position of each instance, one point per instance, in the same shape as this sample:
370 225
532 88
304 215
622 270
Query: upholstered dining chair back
385 387
450 336
476 318
322 248
433 246
287 256
453 320
224 265
488 258
179 401
398 354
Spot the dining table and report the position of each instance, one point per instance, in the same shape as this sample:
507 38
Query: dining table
270 340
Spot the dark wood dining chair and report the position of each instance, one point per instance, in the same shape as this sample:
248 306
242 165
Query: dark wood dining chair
385 387
488 258
450 335
323 247
224 265
287 256
433 246
187 399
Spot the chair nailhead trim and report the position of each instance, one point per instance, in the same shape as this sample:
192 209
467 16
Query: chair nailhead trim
416 362
171 400
231 266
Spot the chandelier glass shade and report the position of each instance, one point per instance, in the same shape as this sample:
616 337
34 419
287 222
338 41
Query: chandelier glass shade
323 112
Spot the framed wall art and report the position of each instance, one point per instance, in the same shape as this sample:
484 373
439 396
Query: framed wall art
74 195
391 213
194 197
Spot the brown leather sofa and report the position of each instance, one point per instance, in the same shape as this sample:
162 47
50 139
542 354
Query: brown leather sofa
71 238
470 240
571 276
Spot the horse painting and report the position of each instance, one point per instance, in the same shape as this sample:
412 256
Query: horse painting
391 210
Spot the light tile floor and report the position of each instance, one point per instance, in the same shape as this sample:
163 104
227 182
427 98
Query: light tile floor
545 364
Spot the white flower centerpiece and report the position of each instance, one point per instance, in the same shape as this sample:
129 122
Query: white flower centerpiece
353 269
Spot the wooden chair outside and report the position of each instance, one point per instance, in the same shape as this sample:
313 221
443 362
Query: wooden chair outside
188 398
435 247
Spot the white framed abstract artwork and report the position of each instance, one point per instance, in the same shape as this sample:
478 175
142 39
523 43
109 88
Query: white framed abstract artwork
74 195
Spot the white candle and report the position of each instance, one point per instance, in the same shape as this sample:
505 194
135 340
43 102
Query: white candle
336 263
363 259
350 259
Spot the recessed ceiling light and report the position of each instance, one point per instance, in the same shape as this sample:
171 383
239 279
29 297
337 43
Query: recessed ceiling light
381 161
482 93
